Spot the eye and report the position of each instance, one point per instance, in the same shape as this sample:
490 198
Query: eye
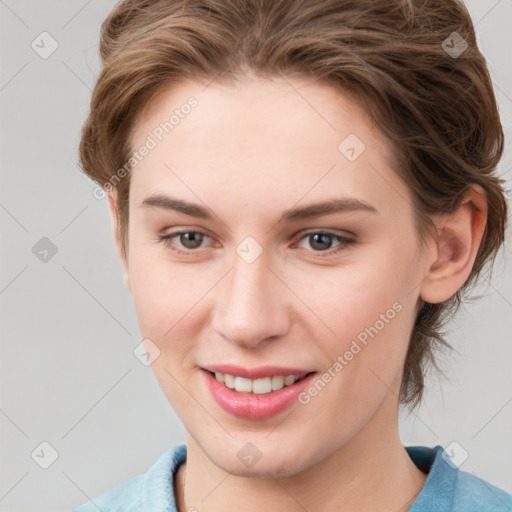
322 241
188 240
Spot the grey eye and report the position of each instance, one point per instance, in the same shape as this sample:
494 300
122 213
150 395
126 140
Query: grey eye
191 239
320 241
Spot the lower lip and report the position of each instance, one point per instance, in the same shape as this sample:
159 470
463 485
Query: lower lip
252 406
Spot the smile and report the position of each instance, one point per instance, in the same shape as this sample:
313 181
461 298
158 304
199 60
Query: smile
258 398
260 386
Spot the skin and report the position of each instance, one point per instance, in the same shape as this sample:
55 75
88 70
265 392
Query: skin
247 152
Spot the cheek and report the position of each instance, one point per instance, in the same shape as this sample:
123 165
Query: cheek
368 324
166 303
162 292
158 299
171 302
352 296
367 310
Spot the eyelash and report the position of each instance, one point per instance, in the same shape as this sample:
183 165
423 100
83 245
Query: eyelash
345 242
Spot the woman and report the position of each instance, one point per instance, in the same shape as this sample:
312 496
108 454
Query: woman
234 138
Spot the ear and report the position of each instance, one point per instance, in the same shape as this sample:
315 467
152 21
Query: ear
459 236
114 214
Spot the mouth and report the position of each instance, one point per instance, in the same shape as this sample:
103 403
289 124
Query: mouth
261 386
268 393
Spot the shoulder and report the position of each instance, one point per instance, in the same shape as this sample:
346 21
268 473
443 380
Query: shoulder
475 493
125 497
450 489
144 491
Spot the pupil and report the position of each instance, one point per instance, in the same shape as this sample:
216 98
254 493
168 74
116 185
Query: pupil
320 238
191 240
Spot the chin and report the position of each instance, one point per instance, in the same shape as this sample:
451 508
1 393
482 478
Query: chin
269 462
262 469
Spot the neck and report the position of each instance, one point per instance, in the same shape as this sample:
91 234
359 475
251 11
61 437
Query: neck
370 472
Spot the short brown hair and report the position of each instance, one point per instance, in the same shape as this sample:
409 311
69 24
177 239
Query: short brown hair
437 109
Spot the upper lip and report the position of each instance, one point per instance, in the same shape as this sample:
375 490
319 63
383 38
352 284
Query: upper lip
256 373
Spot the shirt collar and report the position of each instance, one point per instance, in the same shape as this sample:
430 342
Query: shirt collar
437 493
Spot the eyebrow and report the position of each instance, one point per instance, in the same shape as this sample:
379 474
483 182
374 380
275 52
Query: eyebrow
345 204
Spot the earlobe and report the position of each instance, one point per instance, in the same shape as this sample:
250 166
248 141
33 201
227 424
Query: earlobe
459 235
112 203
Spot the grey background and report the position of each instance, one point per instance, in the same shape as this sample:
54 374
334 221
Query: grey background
68 326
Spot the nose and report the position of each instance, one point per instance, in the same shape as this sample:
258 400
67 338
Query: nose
252 306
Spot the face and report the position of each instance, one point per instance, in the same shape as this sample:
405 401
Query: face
234 269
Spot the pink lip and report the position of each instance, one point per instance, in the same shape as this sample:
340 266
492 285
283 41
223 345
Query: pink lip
256 373
255 407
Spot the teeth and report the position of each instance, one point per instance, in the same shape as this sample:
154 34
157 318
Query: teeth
277 382
229 380
289 380
243 385
262 386
256 386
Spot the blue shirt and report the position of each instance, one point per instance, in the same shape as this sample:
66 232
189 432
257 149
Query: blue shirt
447 488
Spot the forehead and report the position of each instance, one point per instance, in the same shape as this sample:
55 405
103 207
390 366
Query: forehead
290 109
281 138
